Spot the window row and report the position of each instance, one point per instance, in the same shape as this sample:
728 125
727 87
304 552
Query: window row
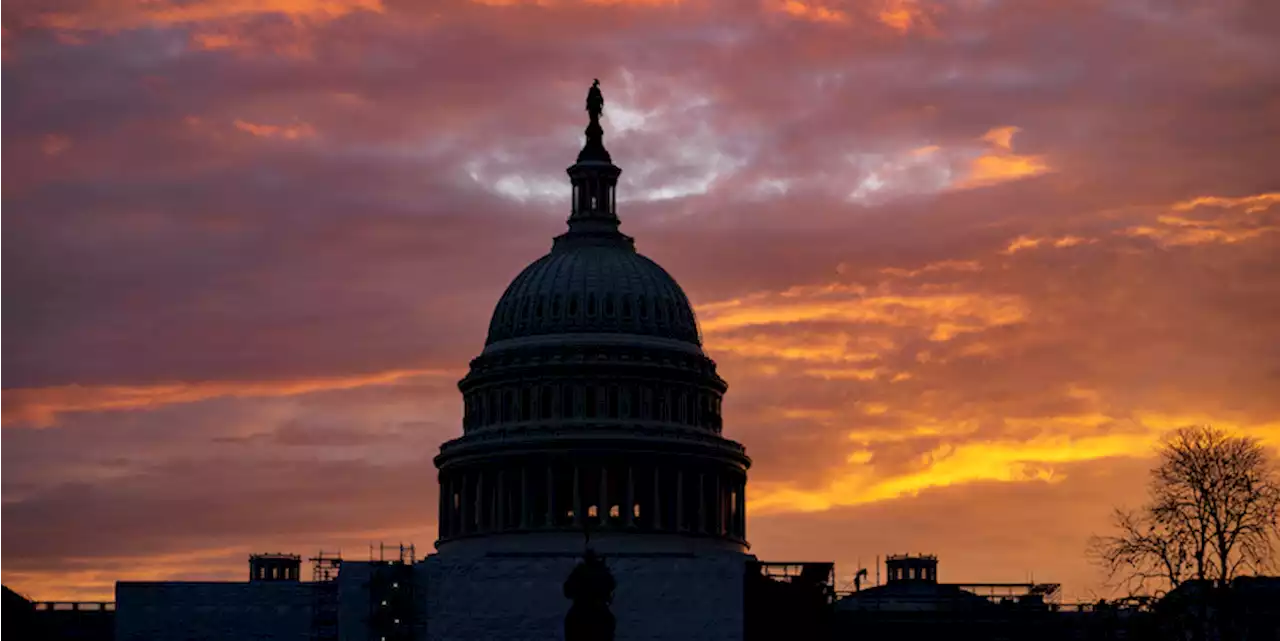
672 404
608 305
622 496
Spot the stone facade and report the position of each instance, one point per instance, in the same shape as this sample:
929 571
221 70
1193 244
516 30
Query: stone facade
518 597
255 611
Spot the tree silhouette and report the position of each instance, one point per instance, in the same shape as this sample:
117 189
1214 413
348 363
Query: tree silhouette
1213 514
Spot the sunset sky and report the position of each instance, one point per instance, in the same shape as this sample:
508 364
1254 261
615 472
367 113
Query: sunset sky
961 261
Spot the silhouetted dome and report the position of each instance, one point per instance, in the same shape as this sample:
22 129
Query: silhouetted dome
592 402
591 287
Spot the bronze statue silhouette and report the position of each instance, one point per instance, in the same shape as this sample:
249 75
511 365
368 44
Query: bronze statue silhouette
594 149
595 101
590 586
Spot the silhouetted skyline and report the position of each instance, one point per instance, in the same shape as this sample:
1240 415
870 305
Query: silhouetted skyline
962 265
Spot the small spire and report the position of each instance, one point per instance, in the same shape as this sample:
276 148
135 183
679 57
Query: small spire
594 149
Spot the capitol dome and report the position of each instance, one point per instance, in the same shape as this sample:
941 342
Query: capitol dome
592 404
590 288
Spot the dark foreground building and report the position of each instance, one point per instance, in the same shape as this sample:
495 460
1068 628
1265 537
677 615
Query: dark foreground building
27 620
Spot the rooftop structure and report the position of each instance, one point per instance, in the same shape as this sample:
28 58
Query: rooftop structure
274 567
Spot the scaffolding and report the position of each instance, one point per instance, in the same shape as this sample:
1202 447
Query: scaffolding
325 567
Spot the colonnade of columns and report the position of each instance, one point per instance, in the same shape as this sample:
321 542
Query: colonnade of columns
689 405
563 495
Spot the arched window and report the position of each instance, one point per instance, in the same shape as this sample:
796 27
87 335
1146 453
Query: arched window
591 304
573 304
557 305
608 305
644 308
626 308
544 407
525 404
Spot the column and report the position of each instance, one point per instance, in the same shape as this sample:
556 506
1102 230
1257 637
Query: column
577 498
551 496
455 511
719 522
481 505
702 502
440 518
742 510
524 497
602 511
464 509
500 504
679 500
446 507
656 508
630 517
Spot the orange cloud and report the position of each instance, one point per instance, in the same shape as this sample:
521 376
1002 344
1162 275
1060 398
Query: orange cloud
1252 204
1000 164
811 12
1227 221
286 132
1026 242
139 13
828 348
899 15
215 41
942 265
556 3
40 407
946 314
902 15
959 461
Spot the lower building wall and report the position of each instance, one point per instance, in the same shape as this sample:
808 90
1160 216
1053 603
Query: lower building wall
516 598
178 611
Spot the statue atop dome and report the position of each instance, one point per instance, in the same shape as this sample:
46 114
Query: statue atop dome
595 101
594 149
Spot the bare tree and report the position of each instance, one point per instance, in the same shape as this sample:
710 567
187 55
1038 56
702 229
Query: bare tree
1213 514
